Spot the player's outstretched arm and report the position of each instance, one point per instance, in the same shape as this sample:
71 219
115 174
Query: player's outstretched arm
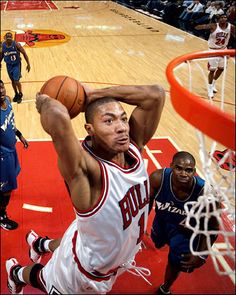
211 27
155 183
22 50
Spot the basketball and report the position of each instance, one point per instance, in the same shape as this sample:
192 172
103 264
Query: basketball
68 91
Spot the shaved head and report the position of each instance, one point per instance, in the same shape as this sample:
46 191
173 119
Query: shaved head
92 107
8 35
183 155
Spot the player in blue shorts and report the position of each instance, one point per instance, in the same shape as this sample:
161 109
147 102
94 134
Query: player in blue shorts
10 52
9 166
171 188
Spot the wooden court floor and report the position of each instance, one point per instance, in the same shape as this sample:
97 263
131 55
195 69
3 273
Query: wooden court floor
102 43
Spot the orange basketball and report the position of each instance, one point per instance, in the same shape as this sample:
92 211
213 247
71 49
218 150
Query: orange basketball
68 91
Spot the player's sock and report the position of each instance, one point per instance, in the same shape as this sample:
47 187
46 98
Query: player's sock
210 91
42 245
214 86
17 274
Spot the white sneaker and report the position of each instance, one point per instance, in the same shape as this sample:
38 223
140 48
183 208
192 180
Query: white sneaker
13 287
214 86
210 91
31 238
214 89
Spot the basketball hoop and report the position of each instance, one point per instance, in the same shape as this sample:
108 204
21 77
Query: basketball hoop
215 129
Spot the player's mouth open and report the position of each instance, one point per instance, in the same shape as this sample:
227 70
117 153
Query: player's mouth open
123 140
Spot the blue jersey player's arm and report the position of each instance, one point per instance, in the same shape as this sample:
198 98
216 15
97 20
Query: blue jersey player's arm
22 50
155 183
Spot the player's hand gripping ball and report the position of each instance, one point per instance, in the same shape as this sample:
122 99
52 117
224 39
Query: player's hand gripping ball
68 91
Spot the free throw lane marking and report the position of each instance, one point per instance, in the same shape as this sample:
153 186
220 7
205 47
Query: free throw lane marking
37 208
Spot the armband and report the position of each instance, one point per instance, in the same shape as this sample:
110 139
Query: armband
18 133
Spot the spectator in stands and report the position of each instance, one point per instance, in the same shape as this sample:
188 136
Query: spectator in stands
172 11
214 9
219 5
191 11
209 11
155 6
231 13
186 3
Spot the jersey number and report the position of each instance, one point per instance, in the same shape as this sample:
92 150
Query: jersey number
220 41
12 57
183 222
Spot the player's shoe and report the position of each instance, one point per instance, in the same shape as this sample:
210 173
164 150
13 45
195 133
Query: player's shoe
19 99
161 290
14 287
16 97
34 253
214 89
7 223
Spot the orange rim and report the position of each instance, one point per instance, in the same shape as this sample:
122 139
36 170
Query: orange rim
209 119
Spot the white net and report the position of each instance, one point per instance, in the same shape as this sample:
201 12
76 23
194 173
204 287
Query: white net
219 189
218 170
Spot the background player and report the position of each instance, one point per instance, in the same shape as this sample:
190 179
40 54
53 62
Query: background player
171 188
9 167
11 53
218 39
109 189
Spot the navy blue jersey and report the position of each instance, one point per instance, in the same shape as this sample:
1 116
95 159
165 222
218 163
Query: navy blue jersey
169 208
7 129
11 54
10 167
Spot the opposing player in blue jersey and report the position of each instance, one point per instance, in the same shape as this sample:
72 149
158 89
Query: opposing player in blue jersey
171 188
9 166
11 53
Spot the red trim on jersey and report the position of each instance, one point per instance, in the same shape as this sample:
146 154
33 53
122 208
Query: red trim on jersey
95 275
102 197
131 152
131 169
135 144
41 281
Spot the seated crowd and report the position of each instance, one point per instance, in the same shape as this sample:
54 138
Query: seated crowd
187 14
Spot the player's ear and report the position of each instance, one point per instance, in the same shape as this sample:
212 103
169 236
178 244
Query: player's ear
89 128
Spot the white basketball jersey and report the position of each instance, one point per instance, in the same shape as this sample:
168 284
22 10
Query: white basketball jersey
100 243
110 233
219 39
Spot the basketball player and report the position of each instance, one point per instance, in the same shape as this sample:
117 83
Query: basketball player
109 189
218 39
11 53
9 166
171 188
